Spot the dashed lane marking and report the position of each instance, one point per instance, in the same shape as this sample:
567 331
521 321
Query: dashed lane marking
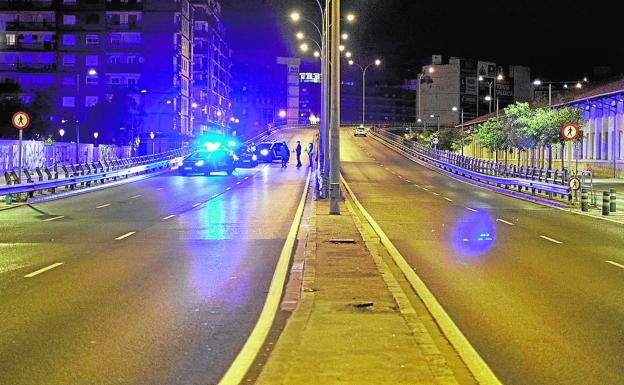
126 235
196 204
435 193
239 182
160 188
35 273
448 199
168 217
615 264
103 206
54 218
471 209
550 239
228 189
504 221
135 196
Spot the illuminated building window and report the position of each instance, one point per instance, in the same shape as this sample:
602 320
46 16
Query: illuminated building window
69 101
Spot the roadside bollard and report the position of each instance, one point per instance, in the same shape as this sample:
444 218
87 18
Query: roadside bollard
584 200
612 200
605 203
8 199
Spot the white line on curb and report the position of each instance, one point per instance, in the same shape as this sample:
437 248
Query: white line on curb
550 239
54 218
35 273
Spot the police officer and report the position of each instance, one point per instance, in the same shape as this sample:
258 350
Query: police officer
310 151
298 152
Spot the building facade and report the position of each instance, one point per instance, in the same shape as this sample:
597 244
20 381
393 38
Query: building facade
476 87
86 51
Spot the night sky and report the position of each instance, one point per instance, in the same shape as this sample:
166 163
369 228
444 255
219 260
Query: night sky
557 39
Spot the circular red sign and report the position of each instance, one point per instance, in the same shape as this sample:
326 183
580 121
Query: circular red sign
20 120
570 132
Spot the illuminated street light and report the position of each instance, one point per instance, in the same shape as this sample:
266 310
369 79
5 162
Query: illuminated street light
377 62
345 36
317 54
194 105
537 82
143 91
350 17
61 133
499 77
341 48
431 69
300 35
95 135
351 62
348 54
304 47
92 72
295 16
481 78
282 114
579 85
488 98
454 109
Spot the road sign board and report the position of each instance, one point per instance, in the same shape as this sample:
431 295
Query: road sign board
20 120
570 132
436 141
575 184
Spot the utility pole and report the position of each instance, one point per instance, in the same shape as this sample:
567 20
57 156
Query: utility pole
334 139
326 103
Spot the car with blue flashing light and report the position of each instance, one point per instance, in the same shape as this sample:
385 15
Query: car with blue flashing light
206 162
247 157
268 152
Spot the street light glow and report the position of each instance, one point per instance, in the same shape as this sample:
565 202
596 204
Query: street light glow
317 54
300 35
499 77
351 62
282 113
344 36
537 82
579 85
295 16
488 98
377 62
341 47
480 78
96 134
350 17
304 47
348 54
454 109
431 69
92 72
432 116
61 132
194 105
419 120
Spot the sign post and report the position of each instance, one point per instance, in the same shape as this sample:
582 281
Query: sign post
435 142
569 132
20 121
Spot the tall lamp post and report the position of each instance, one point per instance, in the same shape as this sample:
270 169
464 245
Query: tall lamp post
461 133
430 70
376 63
489 96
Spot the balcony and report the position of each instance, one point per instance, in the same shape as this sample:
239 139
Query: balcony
32 46
30 26
27 67
117 5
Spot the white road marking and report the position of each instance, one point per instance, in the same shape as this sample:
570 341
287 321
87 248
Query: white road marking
239 182
228 189
160 188
136 196
126 235
246 177
54 218
35 273
448 199
408 181
435 193
550 239
424 188
102 206
471 209
214 195
196 204
504 221
168 217
615 264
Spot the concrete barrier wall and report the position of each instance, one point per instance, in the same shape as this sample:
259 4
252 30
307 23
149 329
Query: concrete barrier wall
38 154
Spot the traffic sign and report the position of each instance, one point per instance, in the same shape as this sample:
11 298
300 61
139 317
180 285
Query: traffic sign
570 132
575 184
20 120
436 140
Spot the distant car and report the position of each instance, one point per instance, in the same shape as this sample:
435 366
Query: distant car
267 152
206 162
246 157
360 131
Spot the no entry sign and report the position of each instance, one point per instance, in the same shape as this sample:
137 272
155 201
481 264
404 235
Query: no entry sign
570 132
20 120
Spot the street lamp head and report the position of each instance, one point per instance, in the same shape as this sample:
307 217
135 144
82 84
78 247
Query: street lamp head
194 105
565 86
300 36
168 101
585 80
92 72
63 120
143 91
488 98
431 69
377 62
237 120
454 109
480 78
61 132
537 82
317 54
96 134
419 120
341 48
351 62
348 54
579 85
344 36
152 135
282 114
500 77
295 16
350 18
432 116
304 47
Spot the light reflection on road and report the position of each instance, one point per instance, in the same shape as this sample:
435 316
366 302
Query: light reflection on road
473 235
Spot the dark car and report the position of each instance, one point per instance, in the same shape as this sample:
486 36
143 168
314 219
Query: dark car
246 157
268 151
205 162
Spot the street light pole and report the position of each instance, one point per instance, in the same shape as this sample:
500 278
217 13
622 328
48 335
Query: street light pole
377 62
334 140
77 119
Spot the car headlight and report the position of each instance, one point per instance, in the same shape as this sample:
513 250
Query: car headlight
199 163
264 152
254 157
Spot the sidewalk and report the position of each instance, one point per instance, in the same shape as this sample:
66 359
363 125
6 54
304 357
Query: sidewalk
354 324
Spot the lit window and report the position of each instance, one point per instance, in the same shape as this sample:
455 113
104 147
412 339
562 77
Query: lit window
91 80
69 39
92 39
10 39
69 19
69 60
69 101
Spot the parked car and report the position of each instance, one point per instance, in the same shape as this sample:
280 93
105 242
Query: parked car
359 131
206 162
269 151
246 157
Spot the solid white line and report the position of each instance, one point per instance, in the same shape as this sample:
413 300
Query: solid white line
196 204
615 264
136 196
448 199
504 221
35 273
53 219
168 217
477 366
250 350
471 209
126 235
102 206
550 239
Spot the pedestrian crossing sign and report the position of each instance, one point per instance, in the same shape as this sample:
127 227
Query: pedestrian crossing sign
20 120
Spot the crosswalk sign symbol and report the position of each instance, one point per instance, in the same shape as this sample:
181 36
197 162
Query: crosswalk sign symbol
570 132
20 120
575 184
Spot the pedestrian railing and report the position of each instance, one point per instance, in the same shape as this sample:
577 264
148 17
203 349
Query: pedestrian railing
553 183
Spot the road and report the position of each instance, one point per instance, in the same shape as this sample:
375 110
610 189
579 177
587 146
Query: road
538 292
154 282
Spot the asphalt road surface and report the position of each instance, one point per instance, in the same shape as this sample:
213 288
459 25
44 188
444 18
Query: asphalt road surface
154 282
539 292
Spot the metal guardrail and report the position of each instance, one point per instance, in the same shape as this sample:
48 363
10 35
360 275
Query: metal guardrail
88 173
500 175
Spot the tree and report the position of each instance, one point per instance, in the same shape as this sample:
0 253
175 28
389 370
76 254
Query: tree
40 110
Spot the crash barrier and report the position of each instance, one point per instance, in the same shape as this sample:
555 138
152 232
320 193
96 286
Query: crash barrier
552 182
49 179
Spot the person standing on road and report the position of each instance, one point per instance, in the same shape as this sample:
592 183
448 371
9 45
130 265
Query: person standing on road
298 152
284 154
310 151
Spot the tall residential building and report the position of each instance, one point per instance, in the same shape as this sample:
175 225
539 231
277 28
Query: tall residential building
85 51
